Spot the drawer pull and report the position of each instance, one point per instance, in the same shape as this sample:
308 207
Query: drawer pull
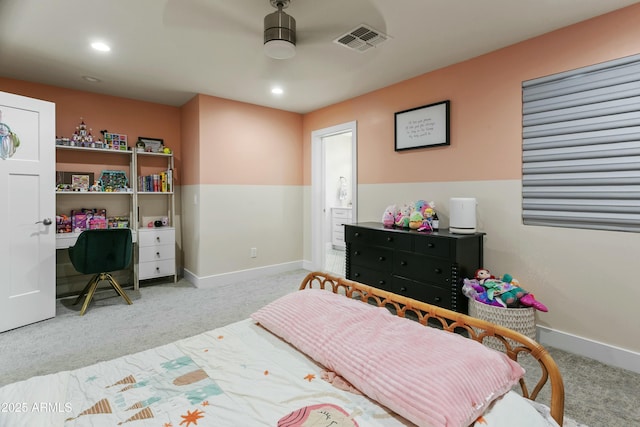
158 254
430 245
356 275
438 270
403 262
389 239
381 282
356 234
356 252
381 259
403 289
157 238
438 299
157 269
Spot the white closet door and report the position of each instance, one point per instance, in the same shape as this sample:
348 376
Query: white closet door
27 213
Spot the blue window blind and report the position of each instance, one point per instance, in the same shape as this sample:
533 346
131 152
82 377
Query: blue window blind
581 148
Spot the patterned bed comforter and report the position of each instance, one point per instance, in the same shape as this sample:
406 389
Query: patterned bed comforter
238 375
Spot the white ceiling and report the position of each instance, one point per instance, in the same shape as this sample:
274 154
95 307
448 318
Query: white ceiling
166 51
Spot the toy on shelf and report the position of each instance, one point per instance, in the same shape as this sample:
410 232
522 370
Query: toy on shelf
63 224
82 136
114 181
505 292
87 219
115 141
118 222
97 186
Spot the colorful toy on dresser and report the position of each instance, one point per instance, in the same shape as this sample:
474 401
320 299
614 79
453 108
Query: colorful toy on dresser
500 292
419 215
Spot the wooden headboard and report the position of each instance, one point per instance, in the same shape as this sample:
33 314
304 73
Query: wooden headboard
476 329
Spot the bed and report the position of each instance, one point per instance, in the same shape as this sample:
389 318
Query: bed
310 358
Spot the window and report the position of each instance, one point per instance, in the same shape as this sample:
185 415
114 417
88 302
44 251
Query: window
581 148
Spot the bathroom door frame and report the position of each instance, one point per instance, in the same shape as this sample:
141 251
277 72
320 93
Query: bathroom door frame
318 187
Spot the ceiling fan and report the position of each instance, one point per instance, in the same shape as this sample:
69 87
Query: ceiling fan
279 32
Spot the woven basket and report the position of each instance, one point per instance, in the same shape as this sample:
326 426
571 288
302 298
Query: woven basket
519 319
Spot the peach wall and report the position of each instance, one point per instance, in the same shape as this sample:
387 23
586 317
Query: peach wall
190 120
120 115
247 144
485 94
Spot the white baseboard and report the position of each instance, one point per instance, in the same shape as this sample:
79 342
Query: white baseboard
234 276
605 353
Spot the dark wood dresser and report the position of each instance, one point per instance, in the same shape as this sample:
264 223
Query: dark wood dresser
425 266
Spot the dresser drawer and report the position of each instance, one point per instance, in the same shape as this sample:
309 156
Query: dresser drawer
378 238
152 269
338 226
157 253
434 295
341 213
423 268
432 246
373 257
156 237
377 279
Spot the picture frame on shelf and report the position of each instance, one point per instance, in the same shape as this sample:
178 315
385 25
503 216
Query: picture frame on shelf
75 181
422 127
80 182
151 145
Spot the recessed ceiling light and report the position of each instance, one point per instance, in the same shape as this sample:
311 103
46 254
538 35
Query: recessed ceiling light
91 79
277 91
102 47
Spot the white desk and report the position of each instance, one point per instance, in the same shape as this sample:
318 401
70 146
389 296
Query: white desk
66 240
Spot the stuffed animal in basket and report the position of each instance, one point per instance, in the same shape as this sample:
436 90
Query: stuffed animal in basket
506 291
472 289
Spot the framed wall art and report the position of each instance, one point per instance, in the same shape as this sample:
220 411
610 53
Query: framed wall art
422 127
151 145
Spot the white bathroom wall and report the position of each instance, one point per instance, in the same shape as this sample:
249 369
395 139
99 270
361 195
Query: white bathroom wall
338 163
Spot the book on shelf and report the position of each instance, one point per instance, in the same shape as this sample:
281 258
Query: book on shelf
156 183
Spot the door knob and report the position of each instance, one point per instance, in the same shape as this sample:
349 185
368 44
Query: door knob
46 221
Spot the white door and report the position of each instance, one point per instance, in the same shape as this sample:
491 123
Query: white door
27 213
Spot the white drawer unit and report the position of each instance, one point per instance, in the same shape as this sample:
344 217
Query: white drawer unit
156 253
339 217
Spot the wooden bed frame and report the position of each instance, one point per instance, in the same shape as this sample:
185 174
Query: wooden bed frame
451 321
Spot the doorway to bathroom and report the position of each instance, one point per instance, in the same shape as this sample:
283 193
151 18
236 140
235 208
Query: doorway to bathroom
334 194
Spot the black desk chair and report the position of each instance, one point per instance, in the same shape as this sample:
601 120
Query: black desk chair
98 252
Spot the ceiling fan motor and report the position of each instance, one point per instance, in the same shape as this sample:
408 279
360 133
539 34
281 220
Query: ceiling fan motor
279 32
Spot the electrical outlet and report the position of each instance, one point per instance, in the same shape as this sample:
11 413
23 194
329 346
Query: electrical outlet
254 252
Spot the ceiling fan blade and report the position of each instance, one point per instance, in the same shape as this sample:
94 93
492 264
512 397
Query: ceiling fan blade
214 15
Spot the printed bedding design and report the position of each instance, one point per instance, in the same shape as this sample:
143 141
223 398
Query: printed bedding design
237 375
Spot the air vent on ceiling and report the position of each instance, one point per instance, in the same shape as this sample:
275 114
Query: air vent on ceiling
361 38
